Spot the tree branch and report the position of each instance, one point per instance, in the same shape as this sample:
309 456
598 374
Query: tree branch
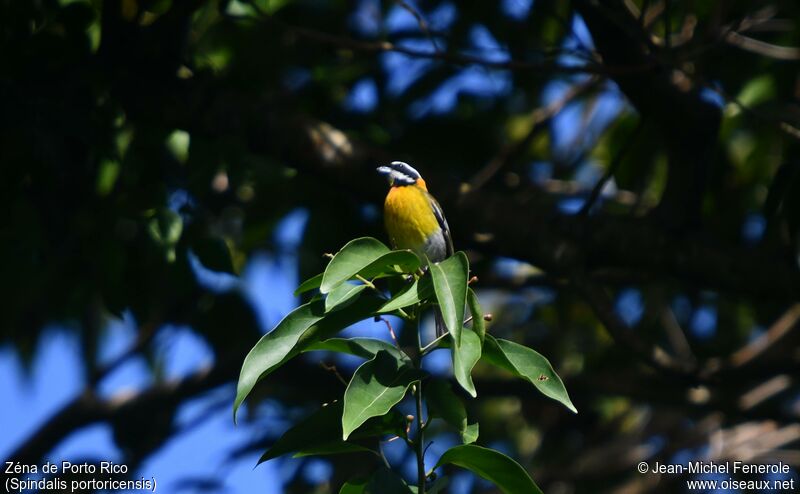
88 408
667 97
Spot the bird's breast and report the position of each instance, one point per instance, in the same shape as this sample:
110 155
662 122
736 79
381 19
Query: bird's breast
409 218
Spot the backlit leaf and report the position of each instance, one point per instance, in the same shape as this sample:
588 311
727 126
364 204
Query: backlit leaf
478 324
527 364
414 293
342 296
352 258
310 284
450 285
360 347
493 466
465 356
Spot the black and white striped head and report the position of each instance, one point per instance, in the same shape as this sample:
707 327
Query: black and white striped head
400 173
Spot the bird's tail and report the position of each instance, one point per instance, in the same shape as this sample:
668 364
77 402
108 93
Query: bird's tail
441 328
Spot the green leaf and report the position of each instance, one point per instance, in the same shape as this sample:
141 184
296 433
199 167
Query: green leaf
321 434
375 388
352 258
321 431
470 435
394 262
166 227
421 289
274 348
445 404
213 253
386 481
478 324
528 364
360 347
757 90
465 357
310 284
450 285
438 485
270 6
492 465
342 296
383 481
354 486
393 423
300 328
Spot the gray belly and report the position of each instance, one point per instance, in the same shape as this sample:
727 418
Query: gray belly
436 247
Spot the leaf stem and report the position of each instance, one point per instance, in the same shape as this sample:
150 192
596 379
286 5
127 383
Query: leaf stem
391 331
433 344
372 286
366 282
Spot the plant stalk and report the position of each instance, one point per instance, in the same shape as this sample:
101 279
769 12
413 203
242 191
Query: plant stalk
419 444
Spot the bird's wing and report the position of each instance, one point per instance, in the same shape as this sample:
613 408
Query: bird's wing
439 214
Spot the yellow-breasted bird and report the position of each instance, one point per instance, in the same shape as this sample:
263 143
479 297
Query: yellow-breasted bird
414 220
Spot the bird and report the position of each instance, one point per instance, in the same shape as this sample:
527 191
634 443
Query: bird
414 219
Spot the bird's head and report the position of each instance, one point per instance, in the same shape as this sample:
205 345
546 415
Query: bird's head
400 174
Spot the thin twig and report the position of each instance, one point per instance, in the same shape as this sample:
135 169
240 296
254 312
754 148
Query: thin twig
383 456
540 117
675 335
768 339
455 58
391 331
763 48
591 67
423 26
332 368
432 345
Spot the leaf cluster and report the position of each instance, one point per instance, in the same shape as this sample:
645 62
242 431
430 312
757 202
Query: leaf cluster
347 292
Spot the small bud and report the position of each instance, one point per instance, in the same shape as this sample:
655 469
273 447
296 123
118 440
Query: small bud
410 418
487 317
